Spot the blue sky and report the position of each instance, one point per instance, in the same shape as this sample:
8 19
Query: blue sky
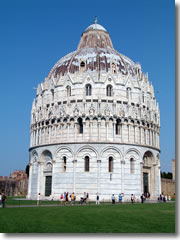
34 35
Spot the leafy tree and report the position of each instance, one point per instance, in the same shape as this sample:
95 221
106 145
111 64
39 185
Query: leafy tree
166 175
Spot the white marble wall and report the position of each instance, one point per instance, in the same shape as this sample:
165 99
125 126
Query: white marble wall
98 179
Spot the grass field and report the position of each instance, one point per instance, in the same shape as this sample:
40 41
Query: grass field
125 218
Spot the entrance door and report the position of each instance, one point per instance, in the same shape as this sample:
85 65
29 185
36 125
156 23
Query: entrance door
145 183
48 186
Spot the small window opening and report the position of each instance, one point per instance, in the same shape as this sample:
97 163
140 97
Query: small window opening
82 64
80 126
132 165
68 89
109 91
128 93
64 163
118 126
110 164
86 165
113 67
88 90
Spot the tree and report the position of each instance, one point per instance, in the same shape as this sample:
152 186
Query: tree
166 175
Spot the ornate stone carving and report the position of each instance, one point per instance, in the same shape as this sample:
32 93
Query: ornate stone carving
107 110
76 111
91 110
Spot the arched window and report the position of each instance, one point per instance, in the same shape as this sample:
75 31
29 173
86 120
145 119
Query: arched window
128 93
132 166
86 164
113 68
109 90
64 163
110 164
82 66
88 90
80 126
118 127
68 89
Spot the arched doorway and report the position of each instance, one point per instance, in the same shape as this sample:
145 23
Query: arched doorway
149 175
46 159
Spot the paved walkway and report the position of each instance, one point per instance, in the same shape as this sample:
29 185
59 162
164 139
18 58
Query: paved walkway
89 204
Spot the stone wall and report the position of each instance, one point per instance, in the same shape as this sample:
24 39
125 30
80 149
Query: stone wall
15 185
168 187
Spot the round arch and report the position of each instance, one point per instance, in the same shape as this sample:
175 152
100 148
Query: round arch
109 148
86 147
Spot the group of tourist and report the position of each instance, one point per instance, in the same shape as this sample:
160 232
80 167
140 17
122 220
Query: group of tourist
66 196
164 198
2 200
120 198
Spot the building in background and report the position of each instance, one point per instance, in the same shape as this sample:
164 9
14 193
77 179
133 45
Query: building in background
169 185
95 125
15 185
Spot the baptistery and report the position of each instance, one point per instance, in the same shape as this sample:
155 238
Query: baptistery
95 125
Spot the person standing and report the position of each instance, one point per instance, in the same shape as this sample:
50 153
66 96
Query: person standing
132 198
61 198
113 199
120 198
97 199
67 198
72 198
142 198
38 199
3 200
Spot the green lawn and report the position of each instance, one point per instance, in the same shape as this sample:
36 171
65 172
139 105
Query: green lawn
125 218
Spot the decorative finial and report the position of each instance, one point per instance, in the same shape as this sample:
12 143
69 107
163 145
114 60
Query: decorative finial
95 21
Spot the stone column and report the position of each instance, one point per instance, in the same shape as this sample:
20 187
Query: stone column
75 130
53 168
141 174
40 136
140 135
30 181
99 176
84 124
144 135
74 175
49 133
55 134
99 127
68 127
107 127
155 138
37 135
128 133
122 175
39 177
154 196
114 130
122 132
90 133
134 133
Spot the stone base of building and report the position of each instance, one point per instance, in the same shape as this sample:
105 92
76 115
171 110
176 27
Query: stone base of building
111 169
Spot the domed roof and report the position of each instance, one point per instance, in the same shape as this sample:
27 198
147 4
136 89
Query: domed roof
96 26
96 53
